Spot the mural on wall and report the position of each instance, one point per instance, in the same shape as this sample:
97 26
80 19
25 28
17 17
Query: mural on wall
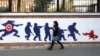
28 31
61 34
73 30
91 34
35 30
9 28
47 32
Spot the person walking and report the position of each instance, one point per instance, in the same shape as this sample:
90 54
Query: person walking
55 36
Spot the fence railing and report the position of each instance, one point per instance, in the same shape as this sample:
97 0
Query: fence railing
49 6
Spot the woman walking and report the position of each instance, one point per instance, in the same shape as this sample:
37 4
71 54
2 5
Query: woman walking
55 36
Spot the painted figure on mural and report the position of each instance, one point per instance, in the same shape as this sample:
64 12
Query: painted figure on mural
28 31
37 31
9 28
47 32
91 35
73 30
61 34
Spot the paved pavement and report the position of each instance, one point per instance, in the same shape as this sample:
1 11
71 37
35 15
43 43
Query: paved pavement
68 51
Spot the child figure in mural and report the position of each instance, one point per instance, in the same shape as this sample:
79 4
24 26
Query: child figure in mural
73 30
61 34
55 36
28 30
9 28
37 31
91 35
47 32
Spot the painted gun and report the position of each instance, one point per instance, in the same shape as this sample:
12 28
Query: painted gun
18 25
41 26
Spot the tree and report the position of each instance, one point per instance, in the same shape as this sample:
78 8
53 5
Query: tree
41 5
98 5
18 5
10 5
63 5
58 10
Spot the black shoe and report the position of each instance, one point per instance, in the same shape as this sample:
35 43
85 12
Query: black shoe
62 48
49 48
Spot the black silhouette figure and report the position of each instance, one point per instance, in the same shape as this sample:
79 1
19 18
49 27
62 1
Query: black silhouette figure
37 31
9 28
47 32
72 31
28 30
61 34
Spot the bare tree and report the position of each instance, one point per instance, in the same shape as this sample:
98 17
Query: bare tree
18 5
10 5
58 10
41 5
98 5
63 5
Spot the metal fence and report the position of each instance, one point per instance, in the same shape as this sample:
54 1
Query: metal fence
49 6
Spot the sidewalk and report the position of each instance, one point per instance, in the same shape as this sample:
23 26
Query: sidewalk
68 51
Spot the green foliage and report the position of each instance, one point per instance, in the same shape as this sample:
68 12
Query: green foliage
41 5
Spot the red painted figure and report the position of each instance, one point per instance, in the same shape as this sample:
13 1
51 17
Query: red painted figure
91 35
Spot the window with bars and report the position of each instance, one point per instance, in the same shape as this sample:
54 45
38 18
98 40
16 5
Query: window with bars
50 6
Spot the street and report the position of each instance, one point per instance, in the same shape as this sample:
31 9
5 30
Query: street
68 51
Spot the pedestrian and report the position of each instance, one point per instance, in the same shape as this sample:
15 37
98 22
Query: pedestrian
55 36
